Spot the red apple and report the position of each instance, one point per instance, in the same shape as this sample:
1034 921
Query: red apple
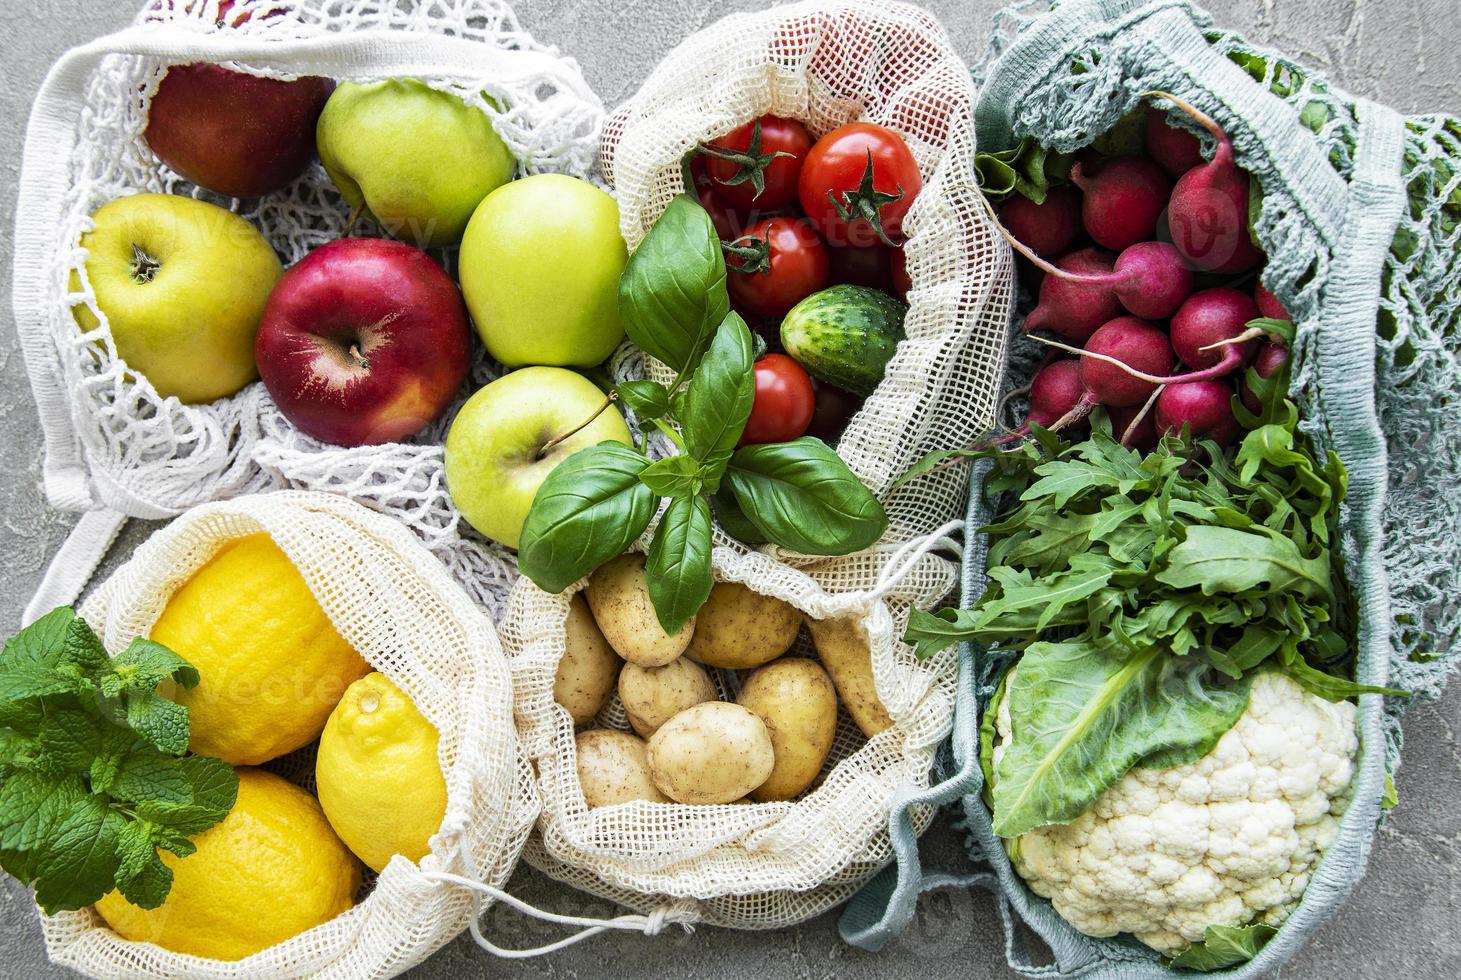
363 341
233 133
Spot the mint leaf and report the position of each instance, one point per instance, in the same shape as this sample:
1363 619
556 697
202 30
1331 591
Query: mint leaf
88 749
80 864
144 665
32 806
70 740
146 774
142 877
162 722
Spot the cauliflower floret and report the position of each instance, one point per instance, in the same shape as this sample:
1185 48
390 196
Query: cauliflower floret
1229 839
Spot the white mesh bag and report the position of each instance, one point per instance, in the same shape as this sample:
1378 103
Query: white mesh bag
829 63
396 605
750 866
111 441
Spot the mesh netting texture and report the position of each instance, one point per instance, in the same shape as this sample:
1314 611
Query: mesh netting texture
112 441
1359 217
396 605
829 63
756 866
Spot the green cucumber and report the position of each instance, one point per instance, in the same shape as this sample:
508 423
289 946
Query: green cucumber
845 335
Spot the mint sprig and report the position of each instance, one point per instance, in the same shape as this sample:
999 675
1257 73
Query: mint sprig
93 776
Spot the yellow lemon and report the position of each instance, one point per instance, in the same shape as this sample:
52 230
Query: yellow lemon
272 665
377 773
272 869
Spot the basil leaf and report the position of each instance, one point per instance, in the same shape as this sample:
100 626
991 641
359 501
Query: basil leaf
678 564
590 508
1224 946
718 400
674 476
802 496
1066 751
648 400
672 295
728 514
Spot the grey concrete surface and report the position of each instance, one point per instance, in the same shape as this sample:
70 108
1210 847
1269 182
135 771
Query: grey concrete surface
1404 920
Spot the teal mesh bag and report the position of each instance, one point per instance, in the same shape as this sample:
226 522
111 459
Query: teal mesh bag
1361 220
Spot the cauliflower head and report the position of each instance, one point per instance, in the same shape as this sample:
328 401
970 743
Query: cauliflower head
1227 840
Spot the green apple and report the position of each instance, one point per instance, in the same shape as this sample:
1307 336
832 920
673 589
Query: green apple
540 266
494 449
420 160
183 284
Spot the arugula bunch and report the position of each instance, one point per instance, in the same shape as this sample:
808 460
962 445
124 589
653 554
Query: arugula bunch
93 776
1147 591
597 503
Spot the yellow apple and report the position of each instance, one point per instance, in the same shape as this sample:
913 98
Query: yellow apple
183 284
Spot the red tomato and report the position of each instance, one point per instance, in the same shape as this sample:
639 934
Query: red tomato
833 410
775 265
857 184
727 222
864 267
901 282
756 166
784 402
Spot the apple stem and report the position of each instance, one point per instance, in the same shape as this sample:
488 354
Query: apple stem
554 442
354 217
360 359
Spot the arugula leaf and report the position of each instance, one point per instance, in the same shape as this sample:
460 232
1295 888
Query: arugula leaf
1223 561
89 748
802 496
678 564
933 461
1080 720
672 296
1223 947
591 508
718 401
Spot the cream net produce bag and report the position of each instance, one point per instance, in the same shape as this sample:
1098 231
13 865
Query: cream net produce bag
829 63
751 866
111 441
396 605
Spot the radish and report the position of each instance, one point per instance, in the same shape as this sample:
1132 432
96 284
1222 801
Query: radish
1268 304
1054 391
1140 346
1203 325
1122 199
1049 228
1149 279
1270 358
1210 334
1206 407
1071 307
1208 208
1175 150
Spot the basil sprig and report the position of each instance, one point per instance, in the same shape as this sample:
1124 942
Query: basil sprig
599 501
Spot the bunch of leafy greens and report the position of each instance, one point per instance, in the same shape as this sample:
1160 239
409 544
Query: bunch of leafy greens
93 776
1142 594
594 505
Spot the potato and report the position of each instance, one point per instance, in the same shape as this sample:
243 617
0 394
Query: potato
589 668
619 597
612 768
843 648
740 629
715 752
653 695
795 699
